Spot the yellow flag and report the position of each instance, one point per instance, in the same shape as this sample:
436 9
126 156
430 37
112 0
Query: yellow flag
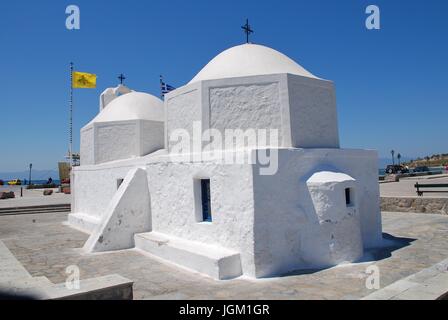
84 80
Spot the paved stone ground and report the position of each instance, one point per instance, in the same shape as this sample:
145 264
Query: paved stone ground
405 187
33 197
429 284
46 247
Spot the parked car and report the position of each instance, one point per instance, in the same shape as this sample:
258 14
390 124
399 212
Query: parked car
15 182
396 168
421 169
1 182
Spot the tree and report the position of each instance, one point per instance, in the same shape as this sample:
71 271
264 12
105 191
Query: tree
392 152
398 157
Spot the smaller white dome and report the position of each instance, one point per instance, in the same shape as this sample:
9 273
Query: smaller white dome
249 60
323 177
132 106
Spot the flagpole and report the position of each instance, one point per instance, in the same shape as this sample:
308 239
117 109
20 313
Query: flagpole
161 88
71 116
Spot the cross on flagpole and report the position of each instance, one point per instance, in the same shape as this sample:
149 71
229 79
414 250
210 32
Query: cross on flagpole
247 30
121 77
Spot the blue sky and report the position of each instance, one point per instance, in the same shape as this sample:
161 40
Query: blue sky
392 84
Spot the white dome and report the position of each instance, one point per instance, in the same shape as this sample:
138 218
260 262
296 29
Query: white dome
249 60
132 106
328 176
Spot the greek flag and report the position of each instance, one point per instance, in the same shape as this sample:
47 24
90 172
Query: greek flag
164 87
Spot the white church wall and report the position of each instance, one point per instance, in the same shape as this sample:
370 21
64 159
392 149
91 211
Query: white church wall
302 109
334 230
182 108
94 187
254 102
116 140
152 136
87 150
253 106
128 213
313 115
174 205
110 141
284 208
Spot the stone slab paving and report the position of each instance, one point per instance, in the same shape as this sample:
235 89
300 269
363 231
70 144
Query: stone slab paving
55 198
10 267
405 187
429 284
33 197
45 247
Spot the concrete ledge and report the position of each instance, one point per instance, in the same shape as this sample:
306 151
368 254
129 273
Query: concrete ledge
110 287
10 267
83 222
415 204
22 288
217 262
17 283
429 284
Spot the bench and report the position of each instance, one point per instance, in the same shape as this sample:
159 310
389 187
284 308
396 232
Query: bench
430 185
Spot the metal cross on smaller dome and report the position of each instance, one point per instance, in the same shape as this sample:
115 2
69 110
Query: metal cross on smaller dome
247 30
121 77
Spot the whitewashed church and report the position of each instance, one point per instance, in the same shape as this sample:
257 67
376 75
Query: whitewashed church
135 188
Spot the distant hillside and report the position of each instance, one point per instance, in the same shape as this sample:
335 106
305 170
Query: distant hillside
435 160
383 162
35 175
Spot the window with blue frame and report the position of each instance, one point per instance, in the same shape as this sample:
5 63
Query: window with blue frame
205 196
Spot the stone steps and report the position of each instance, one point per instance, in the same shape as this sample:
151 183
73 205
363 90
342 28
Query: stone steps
35 209
217 262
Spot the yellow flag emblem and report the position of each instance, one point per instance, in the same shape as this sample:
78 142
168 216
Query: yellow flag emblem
84 80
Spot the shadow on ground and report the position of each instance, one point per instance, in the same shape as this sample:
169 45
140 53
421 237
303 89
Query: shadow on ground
8 296
389 245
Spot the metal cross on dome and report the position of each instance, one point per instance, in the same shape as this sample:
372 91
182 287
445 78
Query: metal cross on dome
121 77
247 30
